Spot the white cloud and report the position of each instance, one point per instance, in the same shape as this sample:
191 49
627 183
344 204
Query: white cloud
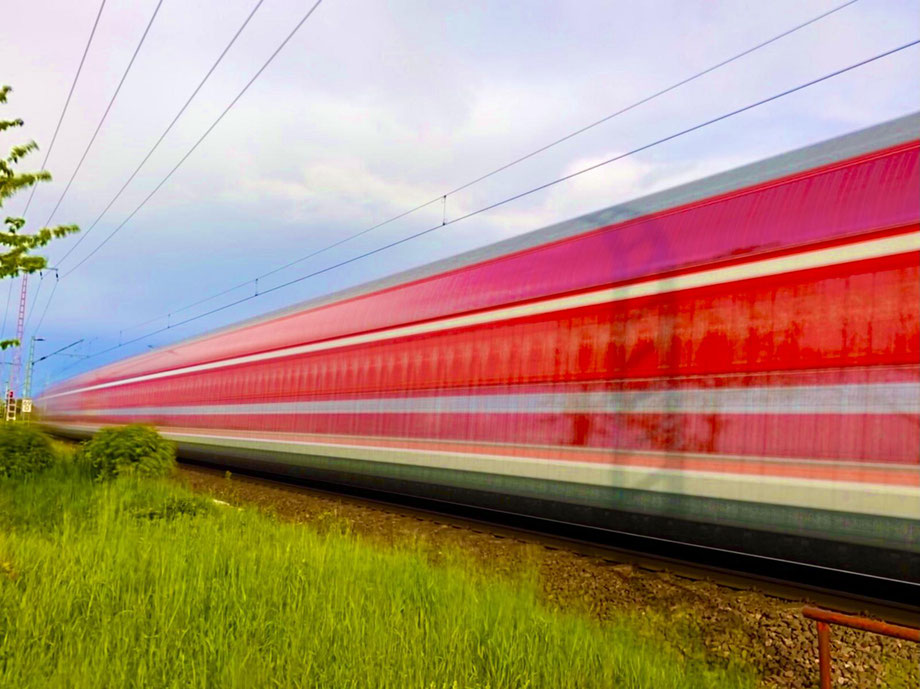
342 190
375 107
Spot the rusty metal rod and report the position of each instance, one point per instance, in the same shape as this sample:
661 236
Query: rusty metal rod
864 623
826 618
824 654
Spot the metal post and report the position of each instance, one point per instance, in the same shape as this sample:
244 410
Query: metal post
825 618
20 322
27 386
824 654
864 623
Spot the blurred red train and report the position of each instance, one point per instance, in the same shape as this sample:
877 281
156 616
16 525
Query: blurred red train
733 363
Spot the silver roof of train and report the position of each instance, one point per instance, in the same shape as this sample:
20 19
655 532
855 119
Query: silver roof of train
849 145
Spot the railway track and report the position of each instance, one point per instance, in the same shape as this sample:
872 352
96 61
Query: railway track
884 599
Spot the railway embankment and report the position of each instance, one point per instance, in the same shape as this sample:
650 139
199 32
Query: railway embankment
141 582
708 623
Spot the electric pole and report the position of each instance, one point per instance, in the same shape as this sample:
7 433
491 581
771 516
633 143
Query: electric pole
20 326
27 386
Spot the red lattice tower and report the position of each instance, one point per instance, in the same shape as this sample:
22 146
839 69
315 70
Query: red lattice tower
20 326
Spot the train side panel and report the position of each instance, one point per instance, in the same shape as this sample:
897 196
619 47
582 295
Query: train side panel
741 371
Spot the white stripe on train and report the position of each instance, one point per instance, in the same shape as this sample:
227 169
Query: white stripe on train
818 258
854 398
821 494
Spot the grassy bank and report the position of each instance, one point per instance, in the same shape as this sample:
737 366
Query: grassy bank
140 583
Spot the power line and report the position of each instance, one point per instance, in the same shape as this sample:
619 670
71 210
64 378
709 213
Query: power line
85 234
58 351
516 161
285 266
654 95
175 119
66 103
200 139
106 113
86 151
528 192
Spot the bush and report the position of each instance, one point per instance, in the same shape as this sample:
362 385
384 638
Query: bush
127 450
24 450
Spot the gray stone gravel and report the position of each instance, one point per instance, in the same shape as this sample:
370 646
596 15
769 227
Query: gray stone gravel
765 632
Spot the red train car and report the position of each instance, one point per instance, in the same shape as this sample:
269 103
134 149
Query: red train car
733 363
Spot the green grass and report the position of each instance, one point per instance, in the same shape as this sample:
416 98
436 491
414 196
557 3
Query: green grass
142 584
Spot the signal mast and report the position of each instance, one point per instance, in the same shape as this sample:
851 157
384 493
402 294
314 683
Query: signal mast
17 354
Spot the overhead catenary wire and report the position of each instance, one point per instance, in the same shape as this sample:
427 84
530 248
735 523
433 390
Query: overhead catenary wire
655 95
200 139
442 198
86 233
525 193
156 145
57 128
105 114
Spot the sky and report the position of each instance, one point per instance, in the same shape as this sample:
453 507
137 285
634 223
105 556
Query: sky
371 109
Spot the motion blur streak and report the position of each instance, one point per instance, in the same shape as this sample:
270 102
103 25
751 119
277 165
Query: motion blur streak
731 363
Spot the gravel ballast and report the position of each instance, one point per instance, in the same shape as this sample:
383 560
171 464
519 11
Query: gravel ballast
764 631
